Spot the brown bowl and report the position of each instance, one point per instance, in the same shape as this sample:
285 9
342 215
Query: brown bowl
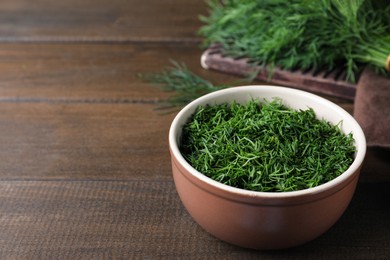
265 220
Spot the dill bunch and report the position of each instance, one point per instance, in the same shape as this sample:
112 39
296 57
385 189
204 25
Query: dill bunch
303 34
265 146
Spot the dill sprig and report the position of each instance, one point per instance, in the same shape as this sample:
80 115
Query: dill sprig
301 34
186 84
265 146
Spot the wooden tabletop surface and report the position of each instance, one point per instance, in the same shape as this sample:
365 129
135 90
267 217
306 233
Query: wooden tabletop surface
84 163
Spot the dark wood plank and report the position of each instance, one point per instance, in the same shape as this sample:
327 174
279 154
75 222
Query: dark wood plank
376 167
83 141
84 166
100 20
145 219
77 72
56 98
91 72
102 141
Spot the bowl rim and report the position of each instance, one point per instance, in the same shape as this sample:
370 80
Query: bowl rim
360 143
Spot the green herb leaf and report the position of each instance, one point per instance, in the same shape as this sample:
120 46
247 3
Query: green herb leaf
186 85
265 146
303 34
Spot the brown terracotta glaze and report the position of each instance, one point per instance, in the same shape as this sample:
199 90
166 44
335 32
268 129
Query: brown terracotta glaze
260 225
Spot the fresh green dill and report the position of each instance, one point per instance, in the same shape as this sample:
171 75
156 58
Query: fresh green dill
186 84
265 146
301 34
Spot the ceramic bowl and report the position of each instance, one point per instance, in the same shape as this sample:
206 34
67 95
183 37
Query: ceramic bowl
265 220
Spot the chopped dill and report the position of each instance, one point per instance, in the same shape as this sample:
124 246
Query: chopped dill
265 146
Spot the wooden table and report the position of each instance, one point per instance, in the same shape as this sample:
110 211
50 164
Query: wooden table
84 163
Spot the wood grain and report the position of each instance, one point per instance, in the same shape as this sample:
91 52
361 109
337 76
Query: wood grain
145 219
84 162
100 21
105 141
91 72
44 87
83 141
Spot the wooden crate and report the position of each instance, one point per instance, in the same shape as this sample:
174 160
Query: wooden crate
331 83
